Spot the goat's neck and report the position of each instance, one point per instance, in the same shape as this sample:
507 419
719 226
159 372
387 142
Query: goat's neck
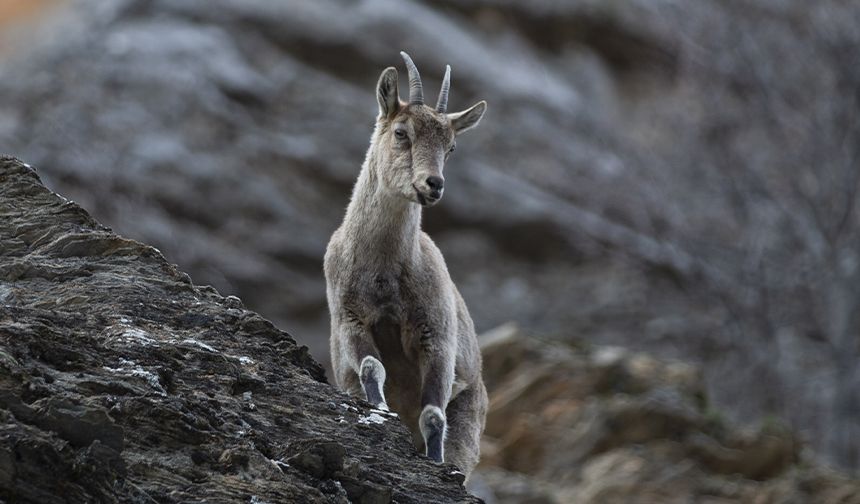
382 224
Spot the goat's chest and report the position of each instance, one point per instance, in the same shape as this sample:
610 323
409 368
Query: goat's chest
385 290
381 294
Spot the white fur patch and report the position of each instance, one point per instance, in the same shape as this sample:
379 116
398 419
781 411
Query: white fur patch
374 367
428 412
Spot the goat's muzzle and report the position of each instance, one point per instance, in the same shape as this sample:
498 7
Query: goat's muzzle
431 195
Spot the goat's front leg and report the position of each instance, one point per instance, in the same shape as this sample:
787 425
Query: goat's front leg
438 356
354 355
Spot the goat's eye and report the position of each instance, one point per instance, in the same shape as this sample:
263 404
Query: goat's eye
453 148
400 134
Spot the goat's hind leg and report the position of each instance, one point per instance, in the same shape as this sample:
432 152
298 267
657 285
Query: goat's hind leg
466 416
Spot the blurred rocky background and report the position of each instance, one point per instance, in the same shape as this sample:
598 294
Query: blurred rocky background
591 424
671 177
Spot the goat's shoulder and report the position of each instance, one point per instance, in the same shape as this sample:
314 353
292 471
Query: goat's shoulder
430 279
337 257
331 250
431 256
334 244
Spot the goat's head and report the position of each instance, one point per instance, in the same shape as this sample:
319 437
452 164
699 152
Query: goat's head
413 140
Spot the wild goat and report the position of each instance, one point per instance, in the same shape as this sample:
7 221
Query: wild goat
395 313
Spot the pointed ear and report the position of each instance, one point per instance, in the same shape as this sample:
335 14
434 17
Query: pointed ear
386 93
469 118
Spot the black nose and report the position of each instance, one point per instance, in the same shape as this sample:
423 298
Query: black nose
435 183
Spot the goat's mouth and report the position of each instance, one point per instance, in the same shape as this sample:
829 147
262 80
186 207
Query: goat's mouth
427 200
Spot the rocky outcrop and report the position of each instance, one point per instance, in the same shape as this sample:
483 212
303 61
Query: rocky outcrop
122 381
584 424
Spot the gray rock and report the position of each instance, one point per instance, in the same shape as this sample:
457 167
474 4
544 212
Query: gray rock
123 382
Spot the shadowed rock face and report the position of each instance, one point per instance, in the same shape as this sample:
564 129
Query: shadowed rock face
121 381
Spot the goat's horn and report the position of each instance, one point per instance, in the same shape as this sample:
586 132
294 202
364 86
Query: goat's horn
442 103
416 91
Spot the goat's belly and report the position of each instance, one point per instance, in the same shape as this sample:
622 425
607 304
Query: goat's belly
404 398
403 379
386 336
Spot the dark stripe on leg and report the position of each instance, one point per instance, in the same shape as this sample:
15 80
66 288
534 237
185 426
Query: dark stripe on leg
371 389
434 444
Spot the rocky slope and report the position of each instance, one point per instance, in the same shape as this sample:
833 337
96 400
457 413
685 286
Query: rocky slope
599 424
678 177
121 381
